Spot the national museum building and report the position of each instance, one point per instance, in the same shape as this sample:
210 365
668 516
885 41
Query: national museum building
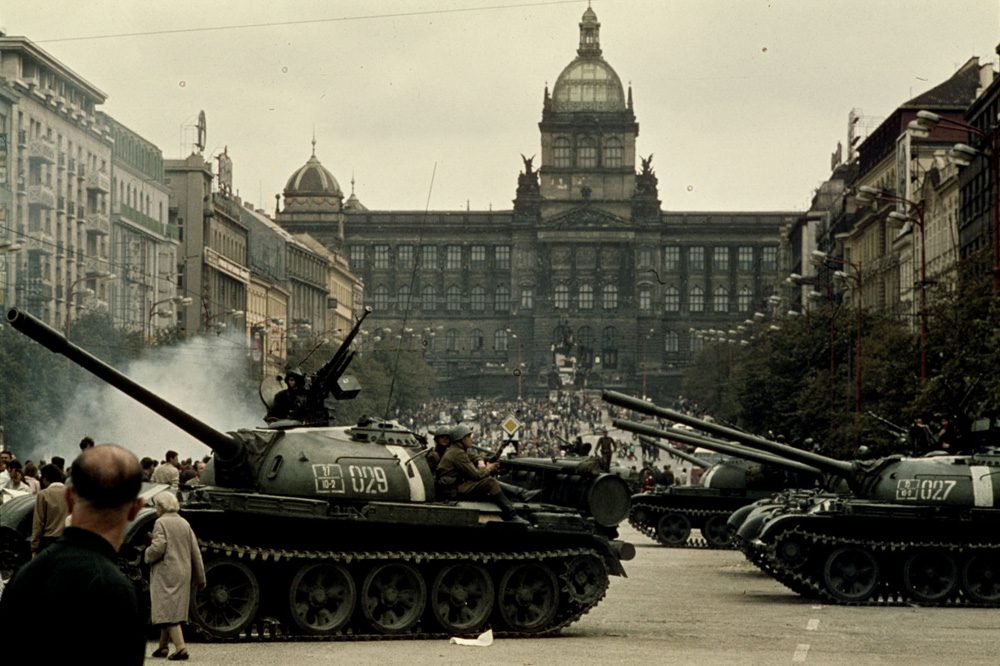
585 282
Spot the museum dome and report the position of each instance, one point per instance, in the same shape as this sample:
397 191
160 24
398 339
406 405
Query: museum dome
313 179
588 83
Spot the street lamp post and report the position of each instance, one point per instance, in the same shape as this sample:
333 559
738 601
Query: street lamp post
962 155
8 247
869 195
89 275
176 300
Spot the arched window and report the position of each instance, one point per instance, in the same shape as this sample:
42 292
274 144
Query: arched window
696 299
451 339
403 298
586 297
561 297
429 303
671 342
477 298
645 298
610 297
721 299
476 340
501 299
671 299
380 298
613 152
500 340
744 299
562 155
453 299
586 154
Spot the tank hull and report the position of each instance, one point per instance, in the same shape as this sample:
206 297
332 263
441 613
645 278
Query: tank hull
668 516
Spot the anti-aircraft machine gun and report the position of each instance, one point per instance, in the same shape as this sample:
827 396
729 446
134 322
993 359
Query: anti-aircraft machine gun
335 532
913 530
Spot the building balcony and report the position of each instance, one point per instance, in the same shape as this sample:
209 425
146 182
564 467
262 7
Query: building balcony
42 196
98 223
99 181
40 242
42 150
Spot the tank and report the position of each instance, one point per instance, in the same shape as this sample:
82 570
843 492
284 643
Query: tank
911 530
320 531
669 513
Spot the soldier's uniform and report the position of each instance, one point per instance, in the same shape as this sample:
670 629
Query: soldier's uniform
457 476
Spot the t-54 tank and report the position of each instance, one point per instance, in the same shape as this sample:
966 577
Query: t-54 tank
310 529
668 514
912 530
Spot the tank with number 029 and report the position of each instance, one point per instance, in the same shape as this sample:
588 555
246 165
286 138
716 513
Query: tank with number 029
923 530
310 529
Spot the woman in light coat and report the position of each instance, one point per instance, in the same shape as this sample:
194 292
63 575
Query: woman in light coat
176 559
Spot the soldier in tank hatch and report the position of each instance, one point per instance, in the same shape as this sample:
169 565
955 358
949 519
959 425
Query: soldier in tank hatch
289 402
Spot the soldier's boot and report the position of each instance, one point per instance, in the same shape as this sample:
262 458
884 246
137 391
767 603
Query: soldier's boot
518 493
507 510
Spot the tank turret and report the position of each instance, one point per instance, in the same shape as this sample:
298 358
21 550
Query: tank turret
310 529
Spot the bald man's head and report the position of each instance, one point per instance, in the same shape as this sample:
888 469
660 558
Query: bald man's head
106 476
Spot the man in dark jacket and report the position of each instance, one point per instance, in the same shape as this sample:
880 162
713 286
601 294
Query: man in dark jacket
289 402
73 590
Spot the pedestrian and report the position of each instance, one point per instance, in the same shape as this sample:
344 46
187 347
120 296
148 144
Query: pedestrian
86 443
51 510
169 472
176 563
605 447
72 603
148 467
31 477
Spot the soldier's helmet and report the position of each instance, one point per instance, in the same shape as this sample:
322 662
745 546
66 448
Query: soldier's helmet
459 432
297 373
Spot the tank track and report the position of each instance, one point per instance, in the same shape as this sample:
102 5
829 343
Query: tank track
271 628
655 512
806 577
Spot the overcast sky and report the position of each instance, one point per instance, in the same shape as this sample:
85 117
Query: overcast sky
741 102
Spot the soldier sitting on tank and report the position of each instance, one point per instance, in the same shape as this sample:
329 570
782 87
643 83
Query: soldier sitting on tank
442 440
458 478
289 403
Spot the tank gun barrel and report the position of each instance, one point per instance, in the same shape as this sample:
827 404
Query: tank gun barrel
677 453
716 445
224 445
828 465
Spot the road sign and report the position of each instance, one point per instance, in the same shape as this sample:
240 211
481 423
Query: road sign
511 425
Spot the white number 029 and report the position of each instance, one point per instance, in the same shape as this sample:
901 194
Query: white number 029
368 480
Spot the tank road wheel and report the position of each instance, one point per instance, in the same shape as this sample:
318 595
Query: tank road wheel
529 597
930 576
673 529
639 516
586 579
321 598
791 550
462 597
229 602
981 578
850 574
716 532
393 597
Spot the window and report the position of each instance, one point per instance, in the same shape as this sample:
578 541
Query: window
744 299
451 339
380 298
697 342
609 348
501 300
645 257
671 257
613 152
477 298
500 340
561 297
429 303
745 258
645 298
671 342
696 258
671 300
586 155
696 299
357 257
610 297
380 256
403 299
527 298
476 340
405 256
562 156
720 258
453 299
478 256
453 257
721 299
585 297
428 256
502 256
769 259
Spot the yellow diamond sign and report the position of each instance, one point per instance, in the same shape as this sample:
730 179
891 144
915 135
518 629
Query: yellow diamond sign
510 426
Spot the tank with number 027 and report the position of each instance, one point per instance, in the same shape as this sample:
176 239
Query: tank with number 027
922 530
310 529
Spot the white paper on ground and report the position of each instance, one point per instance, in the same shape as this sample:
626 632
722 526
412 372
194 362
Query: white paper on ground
484 639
